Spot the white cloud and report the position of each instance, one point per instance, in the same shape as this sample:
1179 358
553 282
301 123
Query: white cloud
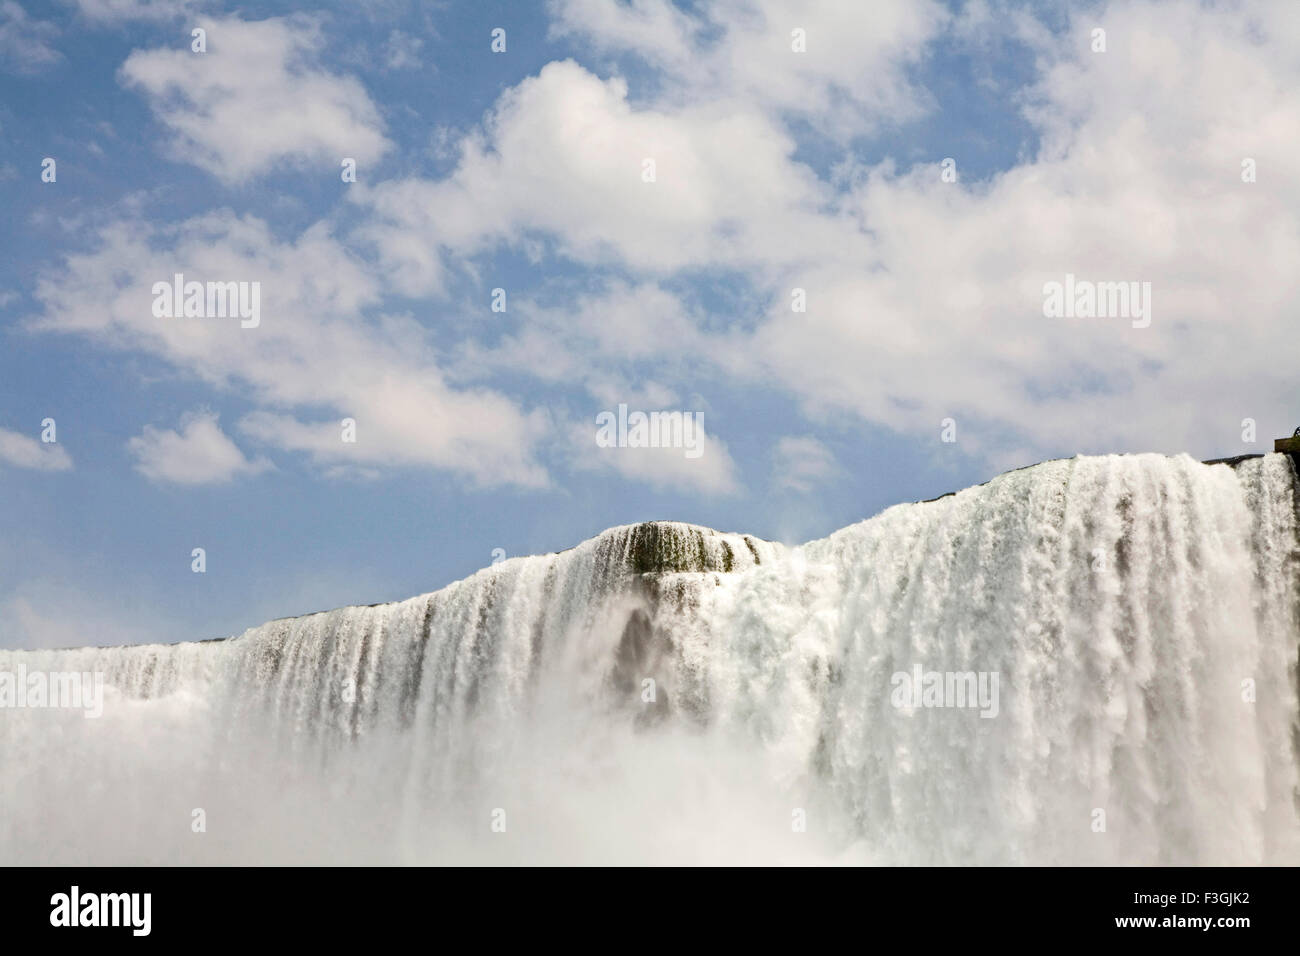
23 451
625 325
712 471
24 42
851 75
563 154
199 454
120 11
1138 178
402 51
924 297
657 30
801 462
258 97
318 356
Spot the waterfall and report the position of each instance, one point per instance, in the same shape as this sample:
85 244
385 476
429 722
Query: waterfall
1125 629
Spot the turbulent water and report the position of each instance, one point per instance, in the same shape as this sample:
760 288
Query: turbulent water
664 693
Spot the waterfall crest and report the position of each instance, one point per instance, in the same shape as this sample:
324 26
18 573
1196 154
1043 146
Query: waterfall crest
667 693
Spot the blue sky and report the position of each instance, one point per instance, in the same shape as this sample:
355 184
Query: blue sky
776 169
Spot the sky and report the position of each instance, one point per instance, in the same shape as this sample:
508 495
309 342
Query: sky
822 231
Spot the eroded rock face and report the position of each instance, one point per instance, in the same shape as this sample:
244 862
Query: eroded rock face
643 650
661 566
670 546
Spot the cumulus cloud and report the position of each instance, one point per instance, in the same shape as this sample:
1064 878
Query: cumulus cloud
565 154
258 97
402 51
841 66
23 451
121 11
800 462
1138 177
322 351
924 297
25 43
199 454
707 469
632 328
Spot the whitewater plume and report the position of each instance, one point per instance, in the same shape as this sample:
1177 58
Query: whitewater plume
667 693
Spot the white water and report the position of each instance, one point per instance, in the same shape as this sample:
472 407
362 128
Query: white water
1122 601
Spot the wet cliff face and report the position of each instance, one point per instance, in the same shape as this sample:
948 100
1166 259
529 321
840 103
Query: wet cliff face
667 693
662 546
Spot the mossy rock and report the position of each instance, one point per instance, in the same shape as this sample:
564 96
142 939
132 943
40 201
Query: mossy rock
662 546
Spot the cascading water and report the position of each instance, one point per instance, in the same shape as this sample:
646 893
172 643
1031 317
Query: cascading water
664 693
